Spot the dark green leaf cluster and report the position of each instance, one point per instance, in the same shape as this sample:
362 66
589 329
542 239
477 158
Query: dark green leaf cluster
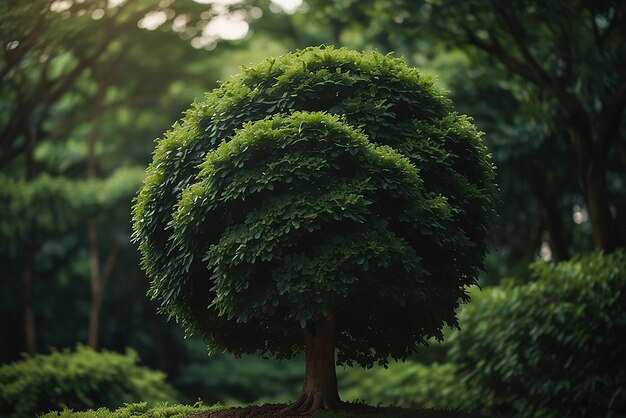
552 347
79 379
325 182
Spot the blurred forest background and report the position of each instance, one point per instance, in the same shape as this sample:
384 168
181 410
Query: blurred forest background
86 86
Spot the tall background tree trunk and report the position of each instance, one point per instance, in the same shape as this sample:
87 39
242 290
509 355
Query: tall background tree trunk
96 286
549 209
99 277
29 317
92 227
606 233
28 274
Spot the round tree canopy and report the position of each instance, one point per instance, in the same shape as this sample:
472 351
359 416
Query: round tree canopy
325 183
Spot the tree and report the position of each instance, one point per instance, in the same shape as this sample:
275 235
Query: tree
524 133
49 207
572 51
69 73
270 226
535 164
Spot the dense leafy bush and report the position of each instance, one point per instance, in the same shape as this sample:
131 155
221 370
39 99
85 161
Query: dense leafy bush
79 379
552 347
137 410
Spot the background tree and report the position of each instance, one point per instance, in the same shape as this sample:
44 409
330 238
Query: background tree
299 224
64 72
572 51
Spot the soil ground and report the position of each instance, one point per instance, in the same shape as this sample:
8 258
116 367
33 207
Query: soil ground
279 411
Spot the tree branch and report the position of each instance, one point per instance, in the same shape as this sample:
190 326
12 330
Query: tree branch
83 117
543 79
45 94
530 70
495 50
25 43
617 21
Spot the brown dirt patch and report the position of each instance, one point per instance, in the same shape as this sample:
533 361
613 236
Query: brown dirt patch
279 411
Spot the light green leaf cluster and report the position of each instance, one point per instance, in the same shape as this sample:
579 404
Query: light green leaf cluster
79 379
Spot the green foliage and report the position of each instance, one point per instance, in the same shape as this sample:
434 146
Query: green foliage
142 410
138 410
552 347
30 210
407 385
229 380
58 54
78 379
261 213
249 379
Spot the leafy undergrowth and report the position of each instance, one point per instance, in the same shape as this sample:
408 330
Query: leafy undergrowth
142 410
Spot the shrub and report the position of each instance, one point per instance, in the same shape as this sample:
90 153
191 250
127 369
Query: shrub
78 379
552 347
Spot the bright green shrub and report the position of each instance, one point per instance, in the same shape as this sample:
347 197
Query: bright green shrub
79 379
138 410
323 184
552 347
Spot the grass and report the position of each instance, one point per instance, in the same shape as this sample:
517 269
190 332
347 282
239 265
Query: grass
138 410
142 410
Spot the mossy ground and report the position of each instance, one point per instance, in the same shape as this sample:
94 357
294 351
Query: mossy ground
139 410
142 410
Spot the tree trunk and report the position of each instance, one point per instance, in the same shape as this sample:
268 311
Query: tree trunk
28 275
592 160
92 226
320 379
29 317
96 284
551 214
558 243
606 235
